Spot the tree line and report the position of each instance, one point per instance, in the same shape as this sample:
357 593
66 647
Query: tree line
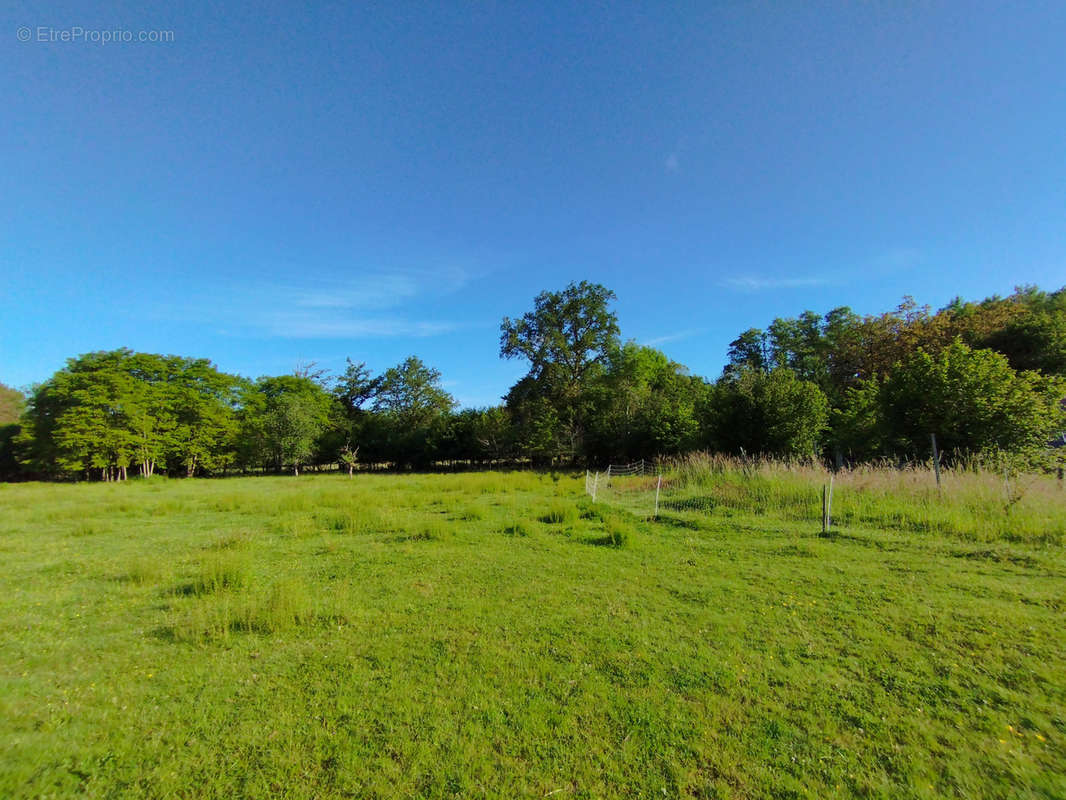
984 377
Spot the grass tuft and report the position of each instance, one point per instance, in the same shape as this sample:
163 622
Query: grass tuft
222 572
88 529
472 514
517 528
616 533
559 513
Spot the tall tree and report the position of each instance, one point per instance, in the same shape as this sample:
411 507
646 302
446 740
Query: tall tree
750 350
356 387
566 338
281 421
413 393
95 399
972 400
351 427
202 402
412 409
292 427
565 334
644 405
772 413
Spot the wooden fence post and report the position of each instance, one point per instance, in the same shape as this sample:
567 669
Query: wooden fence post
827 506
936 460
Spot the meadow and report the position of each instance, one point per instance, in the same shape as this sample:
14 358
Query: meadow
501 635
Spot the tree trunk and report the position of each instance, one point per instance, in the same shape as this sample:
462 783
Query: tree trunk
296 470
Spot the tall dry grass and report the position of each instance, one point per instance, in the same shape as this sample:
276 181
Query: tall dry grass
972 502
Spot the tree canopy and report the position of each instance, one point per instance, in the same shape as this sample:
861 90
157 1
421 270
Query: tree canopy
567 339
986 376
565 334
12 404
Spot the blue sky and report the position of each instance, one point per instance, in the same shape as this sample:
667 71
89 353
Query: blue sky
372 180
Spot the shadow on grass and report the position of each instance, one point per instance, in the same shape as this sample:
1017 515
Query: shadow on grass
416 536
997 556
165 633
866 540
608 540
676 522
794 550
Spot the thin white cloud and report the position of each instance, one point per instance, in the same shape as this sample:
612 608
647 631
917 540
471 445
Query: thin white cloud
374 290
368 305
749 283
298 325
672 337
889 261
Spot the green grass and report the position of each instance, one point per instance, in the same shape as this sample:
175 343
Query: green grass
498 635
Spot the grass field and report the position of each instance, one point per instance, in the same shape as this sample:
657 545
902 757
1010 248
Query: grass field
498 635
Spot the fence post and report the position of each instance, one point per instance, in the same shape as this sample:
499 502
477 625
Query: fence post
595 483
829 507
658 486
936 460
825 513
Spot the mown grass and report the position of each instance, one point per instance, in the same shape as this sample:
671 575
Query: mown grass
498 635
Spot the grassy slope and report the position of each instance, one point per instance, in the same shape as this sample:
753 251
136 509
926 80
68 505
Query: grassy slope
432 636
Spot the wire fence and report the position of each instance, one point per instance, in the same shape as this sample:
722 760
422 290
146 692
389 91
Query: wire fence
630 486
980 504
647 489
